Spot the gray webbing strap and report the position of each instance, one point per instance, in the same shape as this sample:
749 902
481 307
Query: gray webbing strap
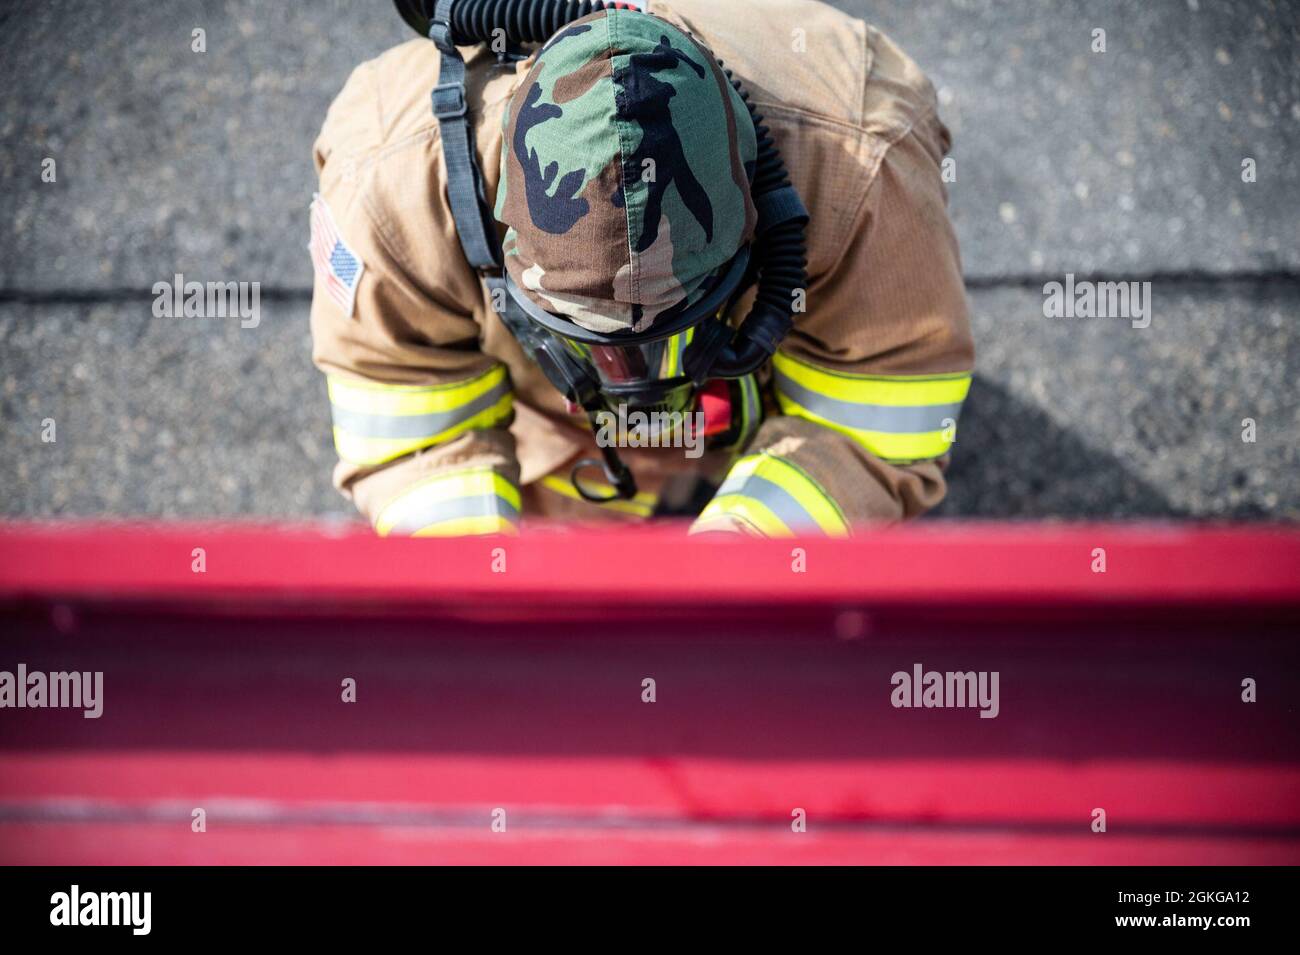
474 223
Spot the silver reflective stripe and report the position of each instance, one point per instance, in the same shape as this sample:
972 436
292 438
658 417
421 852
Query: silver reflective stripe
417 425
424 513
776 498
889 419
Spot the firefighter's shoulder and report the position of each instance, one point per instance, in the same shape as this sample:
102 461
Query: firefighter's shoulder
807 56
385 100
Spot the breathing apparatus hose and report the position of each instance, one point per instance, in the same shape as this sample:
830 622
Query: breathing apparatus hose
781 254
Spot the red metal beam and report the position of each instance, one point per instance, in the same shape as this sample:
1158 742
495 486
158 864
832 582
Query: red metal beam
918 565
485 693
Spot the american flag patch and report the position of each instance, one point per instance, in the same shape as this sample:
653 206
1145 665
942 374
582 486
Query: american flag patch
336 265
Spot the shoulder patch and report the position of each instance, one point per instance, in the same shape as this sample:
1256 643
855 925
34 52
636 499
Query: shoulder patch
336 264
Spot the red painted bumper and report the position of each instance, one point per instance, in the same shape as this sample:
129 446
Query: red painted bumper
507 674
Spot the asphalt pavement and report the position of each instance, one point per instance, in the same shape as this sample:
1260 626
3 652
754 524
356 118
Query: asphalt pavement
1122 165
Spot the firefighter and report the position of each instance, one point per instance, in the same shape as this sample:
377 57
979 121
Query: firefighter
514 242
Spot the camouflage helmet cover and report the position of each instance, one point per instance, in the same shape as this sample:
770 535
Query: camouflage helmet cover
625 172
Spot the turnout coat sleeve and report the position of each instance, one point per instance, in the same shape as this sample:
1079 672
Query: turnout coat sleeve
420 412
869 384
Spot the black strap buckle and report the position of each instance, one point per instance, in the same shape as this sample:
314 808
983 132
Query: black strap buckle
449 101
440 34
440 27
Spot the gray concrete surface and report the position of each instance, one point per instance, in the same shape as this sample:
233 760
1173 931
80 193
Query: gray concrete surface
1092 417
1117 165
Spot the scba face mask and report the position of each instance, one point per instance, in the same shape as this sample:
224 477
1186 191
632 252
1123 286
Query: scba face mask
659 369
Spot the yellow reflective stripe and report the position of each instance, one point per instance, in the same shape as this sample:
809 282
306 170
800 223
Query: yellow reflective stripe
375 423
673 358
578 348
360 450
805 489
379 399
675 351
898 390
788 491
469 527
895 417
884 445
752 512
446 504
642 505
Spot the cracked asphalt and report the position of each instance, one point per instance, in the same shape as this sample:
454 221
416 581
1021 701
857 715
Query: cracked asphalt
1126 164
